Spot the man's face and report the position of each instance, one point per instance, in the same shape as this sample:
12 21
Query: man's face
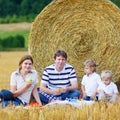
60 62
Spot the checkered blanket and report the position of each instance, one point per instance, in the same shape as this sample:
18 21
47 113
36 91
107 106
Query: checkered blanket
50 96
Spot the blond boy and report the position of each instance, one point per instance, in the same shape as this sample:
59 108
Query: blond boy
107 90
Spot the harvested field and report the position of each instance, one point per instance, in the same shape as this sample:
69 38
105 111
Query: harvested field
15 26
8 63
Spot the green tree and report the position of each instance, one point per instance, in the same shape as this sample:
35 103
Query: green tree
117 2
25 10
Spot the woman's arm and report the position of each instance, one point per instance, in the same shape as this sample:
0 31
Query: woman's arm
16 92
36 95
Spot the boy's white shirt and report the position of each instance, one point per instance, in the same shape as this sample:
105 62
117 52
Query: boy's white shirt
91 83
109 89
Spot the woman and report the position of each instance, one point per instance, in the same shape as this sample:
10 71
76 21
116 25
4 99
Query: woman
23 84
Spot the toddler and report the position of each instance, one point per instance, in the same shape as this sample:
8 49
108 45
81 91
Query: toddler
107 90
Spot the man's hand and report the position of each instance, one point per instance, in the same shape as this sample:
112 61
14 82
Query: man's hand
55 92
63 90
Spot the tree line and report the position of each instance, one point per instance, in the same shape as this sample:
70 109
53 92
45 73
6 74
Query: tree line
24 10
20 10
17 41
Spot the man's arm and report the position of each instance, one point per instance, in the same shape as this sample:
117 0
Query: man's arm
47 90
74 85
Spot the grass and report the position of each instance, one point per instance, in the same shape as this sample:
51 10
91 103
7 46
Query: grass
4 34
14 29
24 33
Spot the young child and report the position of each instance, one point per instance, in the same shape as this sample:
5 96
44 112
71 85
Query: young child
90 80
107 90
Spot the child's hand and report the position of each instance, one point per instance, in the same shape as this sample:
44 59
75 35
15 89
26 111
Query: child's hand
93 96
101 91
108 95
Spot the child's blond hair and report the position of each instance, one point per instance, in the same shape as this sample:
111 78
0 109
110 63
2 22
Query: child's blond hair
91 63
106 74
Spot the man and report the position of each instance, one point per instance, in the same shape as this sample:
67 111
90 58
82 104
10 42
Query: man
59 81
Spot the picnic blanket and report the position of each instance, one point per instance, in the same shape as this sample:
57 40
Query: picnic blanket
72 102
75 103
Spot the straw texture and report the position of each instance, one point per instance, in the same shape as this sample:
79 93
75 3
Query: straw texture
83 28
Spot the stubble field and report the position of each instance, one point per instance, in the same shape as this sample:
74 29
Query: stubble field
8 63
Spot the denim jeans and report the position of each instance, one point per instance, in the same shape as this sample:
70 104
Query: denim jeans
6 94
7 98
70 94
16 101
73 94
88 98
43 98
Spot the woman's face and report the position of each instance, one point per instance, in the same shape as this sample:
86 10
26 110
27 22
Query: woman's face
26 65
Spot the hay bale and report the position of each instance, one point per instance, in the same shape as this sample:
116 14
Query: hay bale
83 28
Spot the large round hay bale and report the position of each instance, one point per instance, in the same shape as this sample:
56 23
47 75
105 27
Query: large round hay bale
83 28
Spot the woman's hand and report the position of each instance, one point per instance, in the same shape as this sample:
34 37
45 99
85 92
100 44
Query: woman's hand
84 94
18 92
28 84
40 104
